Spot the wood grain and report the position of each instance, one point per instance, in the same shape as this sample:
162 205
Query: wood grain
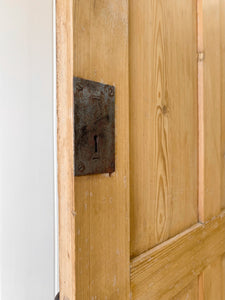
213 280
213 167
163 120
102 201
201 286
166 270
223 277
201 142
159 122
64 48
222 65
214 98
190 292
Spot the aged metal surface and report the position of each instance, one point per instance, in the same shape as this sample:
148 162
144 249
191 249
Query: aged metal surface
94 127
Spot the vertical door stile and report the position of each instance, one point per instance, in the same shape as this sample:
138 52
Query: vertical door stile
64 64
211 100
200 111
200 62
102 200
212 109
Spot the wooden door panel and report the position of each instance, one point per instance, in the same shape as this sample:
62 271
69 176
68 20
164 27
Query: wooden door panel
163 120
154 229
164 271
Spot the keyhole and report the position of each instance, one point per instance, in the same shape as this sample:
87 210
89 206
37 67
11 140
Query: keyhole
96 143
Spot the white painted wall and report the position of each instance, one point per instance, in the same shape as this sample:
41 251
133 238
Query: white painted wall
26 150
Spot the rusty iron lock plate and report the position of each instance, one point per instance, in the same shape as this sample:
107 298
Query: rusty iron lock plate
94 127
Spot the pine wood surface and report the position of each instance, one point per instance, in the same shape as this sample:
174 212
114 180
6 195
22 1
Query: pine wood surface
189 293
102 201
166 270
163 120
64 34
212 131
167 62
214 104
213 286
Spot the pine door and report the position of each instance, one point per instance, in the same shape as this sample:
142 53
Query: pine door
155 228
